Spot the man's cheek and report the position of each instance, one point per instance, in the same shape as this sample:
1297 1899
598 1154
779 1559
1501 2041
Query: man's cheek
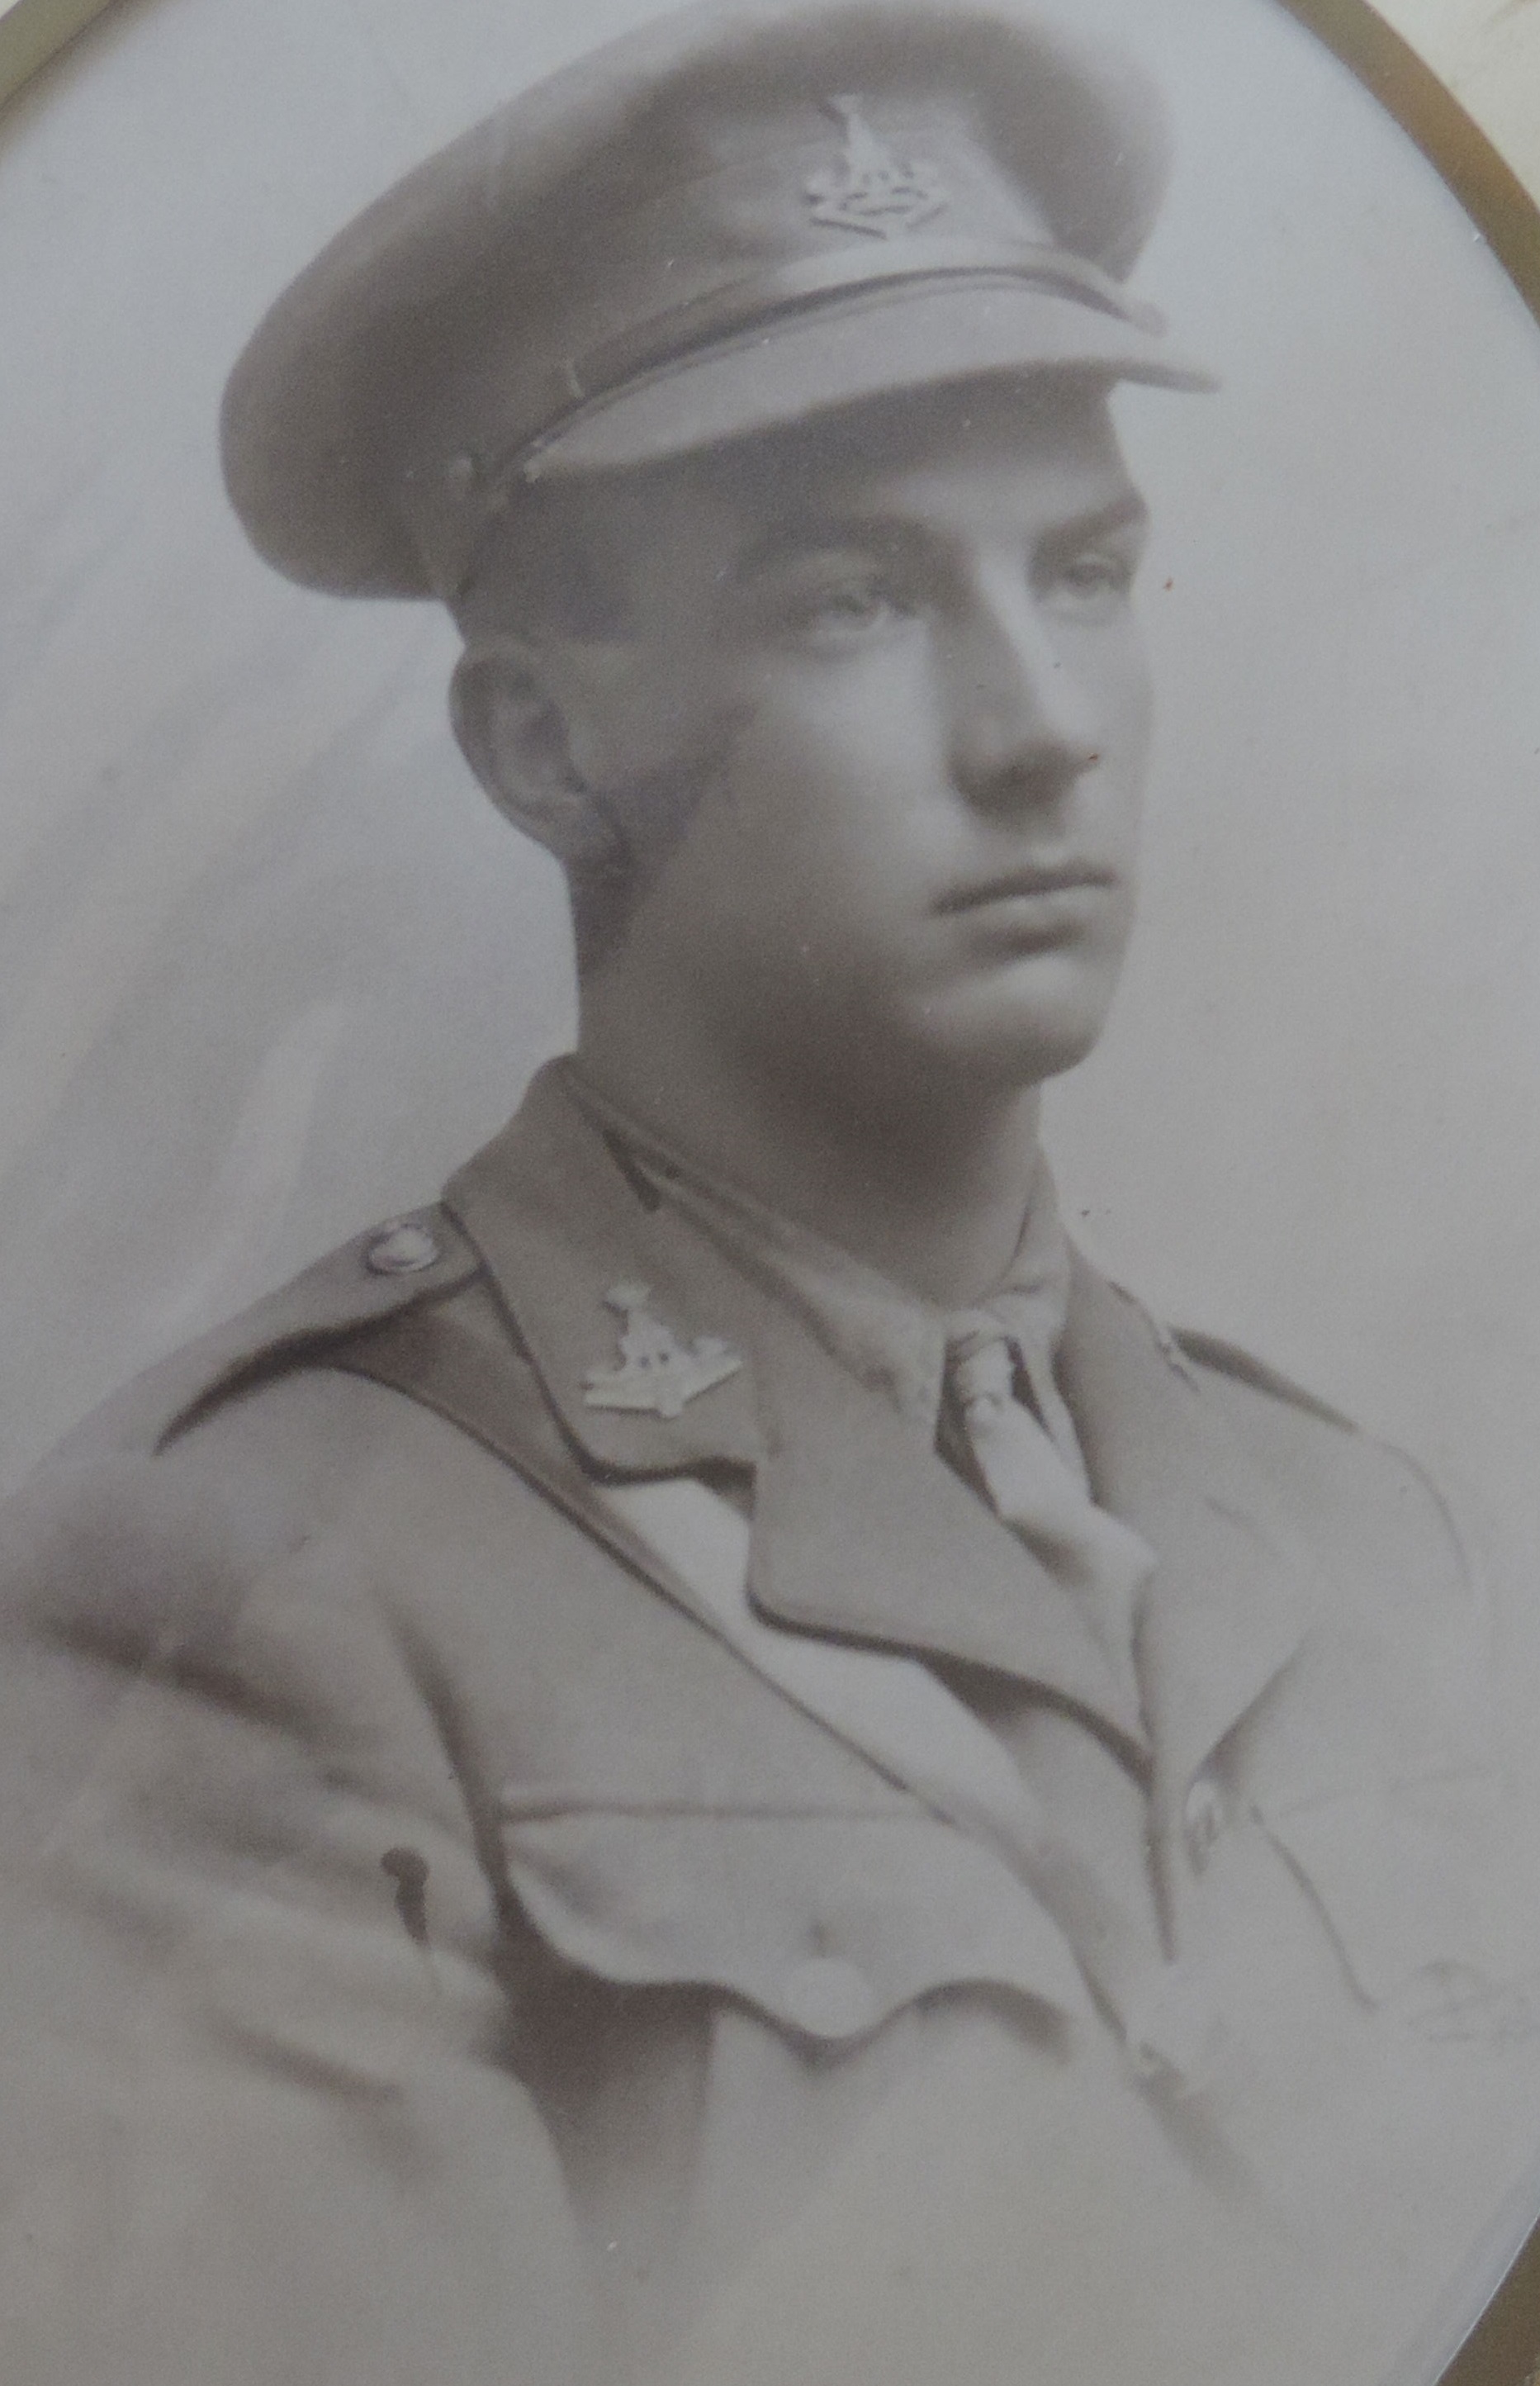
636 710
1132 703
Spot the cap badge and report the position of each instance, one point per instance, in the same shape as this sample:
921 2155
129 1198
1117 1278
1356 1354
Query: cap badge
870 189
657 1374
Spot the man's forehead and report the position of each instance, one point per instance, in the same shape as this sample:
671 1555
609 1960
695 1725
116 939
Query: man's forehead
1047 456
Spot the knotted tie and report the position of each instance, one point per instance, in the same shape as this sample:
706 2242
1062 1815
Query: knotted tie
1036 1490
1037 1485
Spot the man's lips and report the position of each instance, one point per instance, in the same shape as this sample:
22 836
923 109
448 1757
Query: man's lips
1016 885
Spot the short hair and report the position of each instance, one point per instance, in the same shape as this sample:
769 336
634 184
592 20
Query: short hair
541 571
545 573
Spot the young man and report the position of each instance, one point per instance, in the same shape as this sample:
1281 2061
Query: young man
711 1760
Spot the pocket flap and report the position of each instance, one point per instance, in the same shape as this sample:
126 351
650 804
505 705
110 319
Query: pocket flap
828 1923
1398 1872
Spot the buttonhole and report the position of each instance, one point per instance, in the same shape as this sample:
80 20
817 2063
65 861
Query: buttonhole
409 1872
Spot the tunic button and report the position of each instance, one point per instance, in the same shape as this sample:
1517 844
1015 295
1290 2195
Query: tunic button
1203 1819
828 1998
402 1249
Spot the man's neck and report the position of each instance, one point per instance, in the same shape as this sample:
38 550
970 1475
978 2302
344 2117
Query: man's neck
932 1194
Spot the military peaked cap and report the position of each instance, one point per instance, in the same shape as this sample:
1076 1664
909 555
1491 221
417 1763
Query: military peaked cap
730 221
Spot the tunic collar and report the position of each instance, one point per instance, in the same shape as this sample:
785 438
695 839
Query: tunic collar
891 1340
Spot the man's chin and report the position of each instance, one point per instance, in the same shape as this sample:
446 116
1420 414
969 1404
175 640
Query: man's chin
992 1034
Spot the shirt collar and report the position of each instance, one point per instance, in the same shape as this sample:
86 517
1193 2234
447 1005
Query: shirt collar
893 1341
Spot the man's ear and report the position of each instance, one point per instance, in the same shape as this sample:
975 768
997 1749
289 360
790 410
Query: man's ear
513 732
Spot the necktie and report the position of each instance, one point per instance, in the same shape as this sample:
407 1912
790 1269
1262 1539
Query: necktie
1037 1485
1036 1490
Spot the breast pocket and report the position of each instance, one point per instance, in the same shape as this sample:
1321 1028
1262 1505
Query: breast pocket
827 1922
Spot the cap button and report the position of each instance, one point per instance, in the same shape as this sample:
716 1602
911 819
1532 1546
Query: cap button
828 1998
402 1249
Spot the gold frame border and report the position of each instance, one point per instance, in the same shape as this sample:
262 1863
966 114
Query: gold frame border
1500 205
31 31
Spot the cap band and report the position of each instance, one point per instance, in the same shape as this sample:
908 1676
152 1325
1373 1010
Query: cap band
758 300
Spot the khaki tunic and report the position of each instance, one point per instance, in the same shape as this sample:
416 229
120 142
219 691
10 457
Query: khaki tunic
429 1953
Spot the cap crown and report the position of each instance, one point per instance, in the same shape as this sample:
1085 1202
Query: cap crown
670 243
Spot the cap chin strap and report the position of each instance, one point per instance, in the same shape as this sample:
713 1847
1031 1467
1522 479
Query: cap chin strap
744 309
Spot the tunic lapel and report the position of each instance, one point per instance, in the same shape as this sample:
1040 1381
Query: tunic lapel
1234 1580
859 1530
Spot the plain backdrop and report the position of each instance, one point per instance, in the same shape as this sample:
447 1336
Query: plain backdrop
270 967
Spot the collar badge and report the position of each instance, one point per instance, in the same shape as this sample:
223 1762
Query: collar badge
657 1374
870 189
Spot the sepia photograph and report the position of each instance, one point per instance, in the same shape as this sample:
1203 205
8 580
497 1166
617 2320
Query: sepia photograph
769 1401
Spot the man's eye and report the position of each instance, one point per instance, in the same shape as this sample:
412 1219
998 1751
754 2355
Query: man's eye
857 604
1099 575
852 606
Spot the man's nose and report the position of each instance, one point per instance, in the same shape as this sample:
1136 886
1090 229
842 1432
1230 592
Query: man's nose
1022 728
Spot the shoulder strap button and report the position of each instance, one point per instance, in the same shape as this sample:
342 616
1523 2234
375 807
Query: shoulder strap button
405 1249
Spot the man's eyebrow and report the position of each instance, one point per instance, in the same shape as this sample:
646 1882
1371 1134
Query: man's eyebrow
1129 511
811 533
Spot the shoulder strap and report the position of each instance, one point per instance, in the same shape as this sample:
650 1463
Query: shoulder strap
405 1263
